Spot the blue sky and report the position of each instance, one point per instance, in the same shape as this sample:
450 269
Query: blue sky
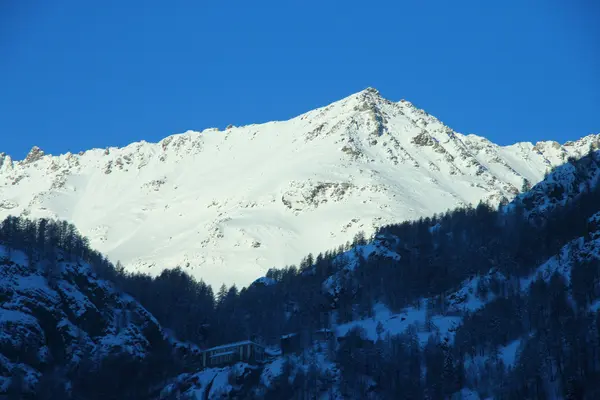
79 74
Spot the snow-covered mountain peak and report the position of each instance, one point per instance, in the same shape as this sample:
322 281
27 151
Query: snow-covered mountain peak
229 204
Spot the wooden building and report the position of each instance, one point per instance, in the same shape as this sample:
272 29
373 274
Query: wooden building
247 351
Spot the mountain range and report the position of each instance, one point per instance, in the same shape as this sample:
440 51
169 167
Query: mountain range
227 205
499 297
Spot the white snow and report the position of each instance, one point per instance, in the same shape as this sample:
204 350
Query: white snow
124 341
224 346
78 302
16 256
508 353
272 370
219 378
395 324
11 316
265 281
228 205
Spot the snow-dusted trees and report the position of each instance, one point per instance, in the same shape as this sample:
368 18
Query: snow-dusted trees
45 239
585 281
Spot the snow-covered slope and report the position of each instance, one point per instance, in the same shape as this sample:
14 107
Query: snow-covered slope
228 205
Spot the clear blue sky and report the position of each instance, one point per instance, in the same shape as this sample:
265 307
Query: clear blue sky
80 74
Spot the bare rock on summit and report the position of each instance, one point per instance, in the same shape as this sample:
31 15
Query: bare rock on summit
35 154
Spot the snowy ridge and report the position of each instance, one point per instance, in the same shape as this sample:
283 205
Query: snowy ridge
228 205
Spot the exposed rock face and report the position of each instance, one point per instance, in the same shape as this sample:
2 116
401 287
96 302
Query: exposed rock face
562 185
35 154
56 313
149 205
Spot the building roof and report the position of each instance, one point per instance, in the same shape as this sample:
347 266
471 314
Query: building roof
222 354
289 335
224 346
324 330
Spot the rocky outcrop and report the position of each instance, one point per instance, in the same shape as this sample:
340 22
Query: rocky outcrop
35 154
54 312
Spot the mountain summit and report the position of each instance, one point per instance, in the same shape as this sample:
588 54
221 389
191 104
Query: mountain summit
228 205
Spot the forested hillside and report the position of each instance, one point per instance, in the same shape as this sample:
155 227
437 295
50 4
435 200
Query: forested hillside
473 302
65 332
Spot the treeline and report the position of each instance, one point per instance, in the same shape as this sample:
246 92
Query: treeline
559 336
40 239
557 353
